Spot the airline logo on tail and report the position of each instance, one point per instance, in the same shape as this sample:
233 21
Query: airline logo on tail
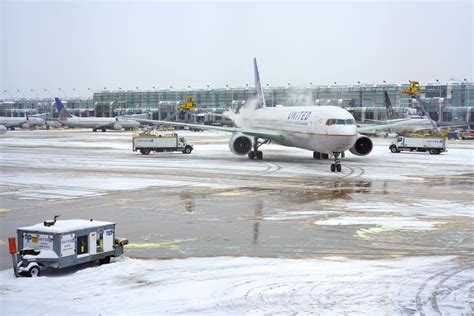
258 86
63 113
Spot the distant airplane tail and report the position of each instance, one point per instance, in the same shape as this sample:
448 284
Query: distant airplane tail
62 110
391 115
258 87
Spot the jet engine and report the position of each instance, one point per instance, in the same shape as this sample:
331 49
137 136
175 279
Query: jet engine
3 129
25 126
117 127
240 144
362 147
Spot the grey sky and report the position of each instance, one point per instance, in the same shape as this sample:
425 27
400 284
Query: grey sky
123 44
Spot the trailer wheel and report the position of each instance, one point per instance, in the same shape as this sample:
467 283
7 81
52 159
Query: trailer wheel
394 149
434 151
34 272
145 151
187 150
105 260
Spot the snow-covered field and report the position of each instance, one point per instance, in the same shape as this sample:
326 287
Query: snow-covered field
242 286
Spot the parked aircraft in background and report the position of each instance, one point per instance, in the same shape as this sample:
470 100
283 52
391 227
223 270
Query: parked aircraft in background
19 122
324 130
96 123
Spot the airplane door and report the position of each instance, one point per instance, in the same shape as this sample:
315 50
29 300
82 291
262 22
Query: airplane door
92 243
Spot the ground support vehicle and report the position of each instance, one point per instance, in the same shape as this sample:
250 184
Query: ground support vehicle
432 144
160 142
65 243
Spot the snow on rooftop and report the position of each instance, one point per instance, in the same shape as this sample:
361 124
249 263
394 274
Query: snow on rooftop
63 226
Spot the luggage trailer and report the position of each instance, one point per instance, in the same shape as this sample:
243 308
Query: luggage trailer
65 243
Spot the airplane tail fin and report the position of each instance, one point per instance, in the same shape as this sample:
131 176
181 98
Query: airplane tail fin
388 105
258 86
62 110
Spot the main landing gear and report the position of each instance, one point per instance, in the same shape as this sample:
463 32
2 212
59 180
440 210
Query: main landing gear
255 153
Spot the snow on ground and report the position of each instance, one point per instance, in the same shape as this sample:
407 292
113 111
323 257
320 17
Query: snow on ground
225 285
385 221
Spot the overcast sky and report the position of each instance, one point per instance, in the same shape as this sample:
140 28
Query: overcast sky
81 45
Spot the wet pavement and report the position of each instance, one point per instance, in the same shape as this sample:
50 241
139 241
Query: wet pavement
212 203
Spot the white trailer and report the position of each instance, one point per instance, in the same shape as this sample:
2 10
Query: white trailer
432 144
146 143
64 243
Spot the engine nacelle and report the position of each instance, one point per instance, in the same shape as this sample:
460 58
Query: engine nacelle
3 129
25 126
240 144
117 127
362 147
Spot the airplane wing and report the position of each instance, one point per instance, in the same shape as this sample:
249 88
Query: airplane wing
260 133
375 127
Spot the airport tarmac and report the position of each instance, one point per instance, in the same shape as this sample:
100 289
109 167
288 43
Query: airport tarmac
382 208
213 203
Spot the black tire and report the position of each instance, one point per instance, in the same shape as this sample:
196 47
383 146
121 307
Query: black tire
145 151
34 272
259 155
338 167
394 149
105 260
103 130
251 155
187 150
325 156
94 129
316 155
433 152
333 167
343 154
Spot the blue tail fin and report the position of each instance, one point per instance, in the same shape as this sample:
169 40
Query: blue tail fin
258 86
62 110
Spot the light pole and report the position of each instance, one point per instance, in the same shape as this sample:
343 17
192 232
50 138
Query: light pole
37 97
74 89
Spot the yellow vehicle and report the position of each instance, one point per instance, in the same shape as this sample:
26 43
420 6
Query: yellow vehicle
188 105
414 88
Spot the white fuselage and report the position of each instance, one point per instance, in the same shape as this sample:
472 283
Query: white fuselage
23 122
99 122
13 121
324 129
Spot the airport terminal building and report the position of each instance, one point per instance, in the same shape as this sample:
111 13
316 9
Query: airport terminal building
446 102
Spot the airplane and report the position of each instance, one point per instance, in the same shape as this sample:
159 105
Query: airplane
10 123
324 130
96 123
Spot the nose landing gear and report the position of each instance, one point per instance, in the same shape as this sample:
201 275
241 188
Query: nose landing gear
336 166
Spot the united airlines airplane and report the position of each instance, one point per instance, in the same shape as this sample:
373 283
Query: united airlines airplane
96 123
325 130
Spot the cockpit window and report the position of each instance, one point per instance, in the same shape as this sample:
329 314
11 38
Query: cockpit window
340 122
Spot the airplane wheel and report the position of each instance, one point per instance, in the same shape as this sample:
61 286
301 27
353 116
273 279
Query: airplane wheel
103 130
94 129
343 154
333 167
251 155
338 168
259 155
316 155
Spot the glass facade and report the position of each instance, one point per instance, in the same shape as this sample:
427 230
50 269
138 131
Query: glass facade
446 101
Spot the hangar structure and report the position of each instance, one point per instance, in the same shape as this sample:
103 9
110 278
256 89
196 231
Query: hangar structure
446 102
